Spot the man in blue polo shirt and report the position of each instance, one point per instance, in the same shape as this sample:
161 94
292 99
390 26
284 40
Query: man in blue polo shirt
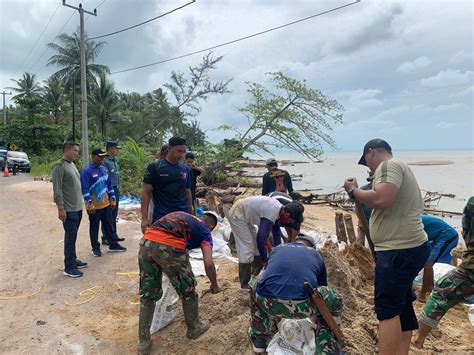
443 238
169 182
280 293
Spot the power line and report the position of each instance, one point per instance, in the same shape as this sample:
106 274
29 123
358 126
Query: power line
142 23
37 40
236 40
97 6
54 40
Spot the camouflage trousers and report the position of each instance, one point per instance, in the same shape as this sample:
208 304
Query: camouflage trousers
266 313
451 289
154 259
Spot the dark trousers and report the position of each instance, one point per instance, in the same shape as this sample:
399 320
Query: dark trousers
71 226
104 216
114 214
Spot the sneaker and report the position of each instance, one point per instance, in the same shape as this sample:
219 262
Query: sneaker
259 345
72 273
96 252
80 264
117 248
105 242
120 239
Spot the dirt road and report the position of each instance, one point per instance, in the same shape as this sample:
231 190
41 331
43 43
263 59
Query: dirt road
31 260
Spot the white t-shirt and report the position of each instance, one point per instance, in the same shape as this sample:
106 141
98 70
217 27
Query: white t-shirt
256 207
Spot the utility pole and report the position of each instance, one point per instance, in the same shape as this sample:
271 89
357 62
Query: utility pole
85 129
4 109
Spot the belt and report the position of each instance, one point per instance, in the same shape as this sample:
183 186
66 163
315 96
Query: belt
289 302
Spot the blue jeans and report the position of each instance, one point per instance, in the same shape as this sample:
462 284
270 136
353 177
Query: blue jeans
104 216
71 226
114 214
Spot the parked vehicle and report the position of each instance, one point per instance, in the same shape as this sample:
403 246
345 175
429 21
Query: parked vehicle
18 160
3 158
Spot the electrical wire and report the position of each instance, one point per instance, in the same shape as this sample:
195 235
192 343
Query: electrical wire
36 42
142 23
89 15
54 40
236 40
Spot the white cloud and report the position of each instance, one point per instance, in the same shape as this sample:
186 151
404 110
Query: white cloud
449 108
361 98
469 91
461 58
449 77
420 62
444 125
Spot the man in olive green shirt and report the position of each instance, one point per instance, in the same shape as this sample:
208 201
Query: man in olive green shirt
401 245
67 195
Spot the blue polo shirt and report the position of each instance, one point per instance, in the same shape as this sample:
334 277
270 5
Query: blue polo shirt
289 267
437 229
170 182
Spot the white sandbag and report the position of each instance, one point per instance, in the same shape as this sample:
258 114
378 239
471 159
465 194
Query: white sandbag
198 267
295 336
166 308
439 270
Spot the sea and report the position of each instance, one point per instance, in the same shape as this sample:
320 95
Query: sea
328 176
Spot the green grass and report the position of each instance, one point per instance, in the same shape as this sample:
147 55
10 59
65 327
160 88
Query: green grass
41 169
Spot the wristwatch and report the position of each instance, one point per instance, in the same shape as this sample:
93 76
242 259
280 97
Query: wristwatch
351 193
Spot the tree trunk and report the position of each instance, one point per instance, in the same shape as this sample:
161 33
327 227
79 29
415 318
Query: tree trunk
340 228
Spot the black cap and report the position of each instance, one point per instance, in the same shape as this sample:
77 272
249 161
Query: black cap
112 144
174 141
99 152
296 210
271 162
373 144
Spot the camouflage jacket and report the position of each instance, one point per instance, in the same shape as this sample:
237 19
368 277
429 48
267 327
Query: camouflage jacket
468 234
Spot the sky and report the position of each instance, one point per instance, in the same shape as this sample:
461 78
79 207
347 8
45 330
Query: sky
403 70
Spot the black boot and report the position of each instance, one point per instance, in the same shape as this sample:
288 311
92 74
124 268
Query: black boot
257 265
147 309
191 316
245 271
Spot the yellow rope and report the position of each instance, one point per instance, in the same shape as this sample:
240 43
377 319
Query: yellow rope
7 298
118 283
89 292
129 274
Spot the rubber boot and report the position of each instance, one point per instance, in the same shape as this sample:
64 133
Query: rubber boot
245 271
147 309
191 316
257 265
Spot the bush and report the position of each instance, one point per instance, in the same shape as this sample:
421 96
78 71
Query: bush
133 161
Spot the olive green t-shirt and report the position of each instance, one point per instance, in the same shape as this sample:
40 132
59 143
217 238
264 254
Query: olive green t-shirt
400 226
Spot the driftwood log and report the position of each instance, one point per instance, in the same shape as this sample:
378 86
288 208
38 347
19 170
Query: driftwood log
340 227
350 228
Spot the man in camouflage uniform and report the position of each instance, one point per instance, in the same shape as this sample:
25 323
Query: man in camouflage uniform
164 249
454 287
280 293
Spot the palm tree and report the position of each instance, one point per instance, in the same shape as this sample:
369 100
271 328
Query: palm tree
27 87
53 97
103 103
68 58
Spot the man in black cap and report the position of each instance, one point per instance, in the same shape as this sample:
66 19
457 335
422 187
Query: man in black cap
401 245
276 179
99 198
169 182
110 162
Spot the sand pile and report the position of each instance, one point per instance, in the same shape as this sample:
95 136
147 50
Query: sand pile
351 272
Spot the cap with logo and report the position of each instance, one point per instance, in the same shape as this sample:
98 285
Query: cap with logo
112 144
99 152
373 144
